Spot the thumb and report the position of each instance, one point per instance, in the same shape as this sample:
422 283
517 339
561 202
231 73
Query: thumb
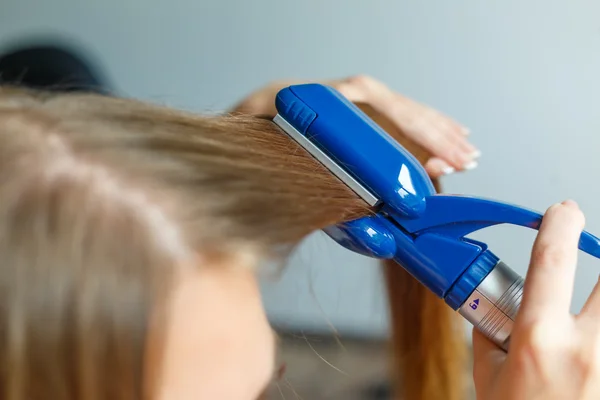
487 359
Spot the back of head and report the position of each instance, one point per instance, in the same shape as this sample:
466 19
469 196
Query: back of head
102 199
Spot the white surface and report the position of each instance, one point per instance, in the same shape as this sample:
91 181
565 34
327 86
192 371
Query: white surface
524 76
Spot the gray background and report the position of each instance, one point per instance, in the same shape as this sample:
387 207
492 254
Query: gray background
524 76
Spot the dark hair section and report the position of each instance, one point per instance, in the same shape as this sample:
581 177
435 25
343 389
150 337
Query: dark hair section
51 65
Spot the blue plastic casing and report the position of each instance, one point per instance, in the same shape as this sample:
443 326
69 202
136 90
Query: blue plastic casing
423 231
317 112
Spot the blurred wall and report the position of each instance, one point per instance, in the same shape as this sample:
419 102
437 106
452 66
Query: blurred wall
524 76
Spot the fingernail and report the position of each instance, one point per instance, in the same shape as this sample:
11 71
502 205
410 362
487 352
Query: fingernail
470 165
466 131
448 170
476 154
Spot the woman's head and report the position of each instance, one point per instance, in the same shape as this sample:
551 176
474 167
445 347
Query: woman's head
128 235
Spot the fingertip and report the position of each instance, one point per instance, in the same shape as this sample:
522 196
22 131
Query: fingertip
468 150
465 160
471 165
576 212
448 170
436 167
567 203
476 154
570 203
569 210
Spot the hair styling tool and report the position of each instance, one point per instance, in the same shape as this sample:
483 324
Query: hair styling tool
423 231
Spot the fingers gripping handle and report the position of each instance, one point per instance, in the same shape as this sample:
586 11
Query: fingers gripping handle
493 306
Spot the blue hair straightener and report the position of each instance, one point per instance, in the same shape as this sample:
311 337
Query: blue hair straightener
423 231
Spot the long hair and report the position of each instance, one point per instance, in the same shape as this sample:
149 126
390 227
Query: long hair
102 198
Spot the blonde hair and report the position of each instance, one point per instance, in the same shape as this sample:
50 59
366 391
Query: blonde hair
100 198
